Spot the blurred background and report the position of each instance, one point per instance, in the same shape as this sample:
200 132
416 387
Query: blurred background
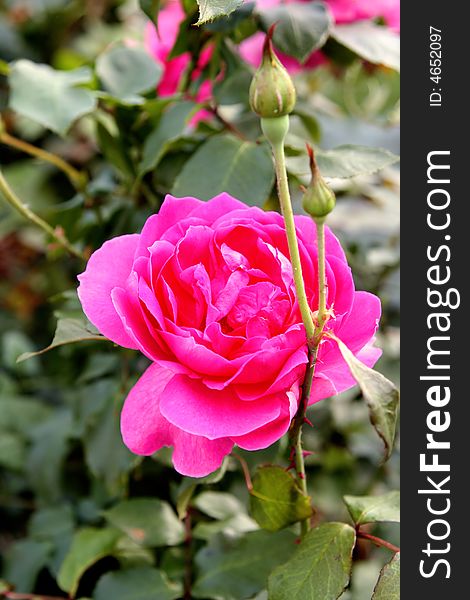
63 467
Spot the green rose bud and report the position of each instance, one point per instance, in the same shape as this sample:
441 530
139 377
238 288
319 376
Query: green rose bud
318 200
272 92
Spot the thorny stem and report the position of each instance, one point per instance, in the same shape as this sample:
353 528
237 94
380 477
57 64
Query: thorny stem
77 178
313 330
377 541
57 234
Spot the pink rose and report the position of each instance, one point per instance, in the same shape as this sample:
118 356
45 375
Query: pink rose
343 11
349 11
160 45
206 293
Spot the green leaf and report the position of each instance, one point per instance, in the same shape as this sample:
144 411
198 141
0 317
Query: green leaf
114 150
372 509
234 525
89 545
238 568
380 394
136 584
106 455
373 42
227 164
68 331
320 567
218 505
55 525
309 121
214 9
350 160
229 512
276 499
151 8
23 561
301 28
148 521
18 414
171 127
50 97
12 450
388 585
49 447
126 72
48 523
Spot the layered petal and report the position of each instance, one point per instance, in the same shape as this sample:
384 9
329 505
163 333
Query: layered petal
108 268
196 409
145 430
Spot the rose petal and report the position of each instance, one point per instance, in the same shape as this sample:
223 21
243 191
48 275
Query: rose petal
107 268
171 212
270 433
145 430
362 321
193 407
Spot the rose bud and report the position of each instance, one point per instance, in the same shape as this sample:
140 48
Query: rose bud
319 199
272 92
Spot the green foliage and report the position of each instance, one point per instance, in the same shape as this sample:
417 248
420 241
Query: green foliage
88 546
228 513
238 568
319 569
127 72
214 9
24 561
276 499
151 8
380 394
301 27
376 44
50 97
388 585
147 521
350 161
68 331
228 164
171 127
142 583
372 509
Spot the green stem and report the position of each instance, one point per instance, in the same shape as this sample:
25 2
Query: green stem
322 315
275 131
77 178
25 211
288 214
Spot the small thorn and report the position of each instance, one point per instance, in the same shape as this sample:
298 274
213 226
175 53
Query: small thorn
308 422
307 453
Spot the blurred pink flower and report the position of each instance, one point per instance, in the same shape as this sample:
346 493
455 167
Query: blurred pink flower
343 11
206 293
160 45
349 11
